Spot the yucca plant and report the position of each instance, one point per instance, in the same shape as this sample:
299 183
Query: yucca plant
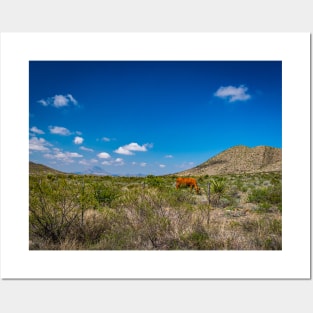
218 189
218 186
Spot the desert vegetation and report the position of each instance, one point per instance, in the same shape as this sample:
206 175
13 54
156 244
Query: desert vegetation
81 212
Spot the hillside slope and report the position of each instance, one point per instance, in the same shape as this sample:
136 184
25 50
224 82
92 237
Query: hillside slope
240 159
39 169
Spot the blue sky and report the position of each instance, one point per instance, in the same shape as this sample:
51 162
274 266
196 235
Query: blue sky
150 117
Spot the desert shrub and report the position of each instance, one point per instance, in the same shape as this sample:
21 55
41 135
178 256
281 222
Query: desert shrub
154 181
263 233
96 225
52 212
146 214
153 218
180 197
106 193
267 197
57 207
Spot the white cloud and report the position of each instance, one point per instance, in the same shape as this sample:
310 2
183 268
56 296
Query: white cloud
36 130
232 93
86 149
127 149
83 162
38 144
66 157
59 101
103 155
49 156
106 162
122 150
58 130
88 162
169 156
116 162
74 155
106 139
119 161
143 164
78 140
72 99
162 165
43 102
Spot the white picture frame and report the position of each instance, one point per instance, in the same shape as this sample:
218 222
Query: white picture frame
292 262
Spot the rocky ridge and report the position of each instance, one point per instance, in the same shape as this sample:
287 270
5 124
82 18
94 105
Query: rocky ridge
239 159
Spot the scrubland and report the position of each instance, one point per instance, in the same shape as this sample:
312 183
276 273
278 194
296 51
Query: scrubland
79 212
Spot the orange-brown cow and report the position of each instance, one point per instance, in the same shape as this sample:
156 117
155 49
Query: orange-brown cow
182 181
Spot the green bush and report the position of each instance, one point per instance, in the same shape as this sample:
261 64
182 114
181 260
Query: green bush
267 197
57 208
154 181
105 194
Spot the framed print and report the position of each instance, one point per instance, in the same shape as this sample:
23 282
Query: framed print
155 156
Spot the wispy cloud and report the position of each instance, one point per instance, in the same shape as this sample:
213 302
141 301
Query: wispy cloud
86 149
106 139
186 165
38 144
58 130
162 165
115 162
58 101
83 162
45 103
59 155
72 99
78 140
88 162
232 93
128 149
36 130
168 156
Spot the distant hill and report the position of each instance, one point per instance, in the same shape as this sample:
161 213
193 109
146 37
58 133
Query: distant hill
39 169
95 170
240 159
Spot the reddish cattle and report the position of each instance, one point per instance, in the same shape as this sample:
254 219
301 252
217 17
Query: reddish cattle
182 181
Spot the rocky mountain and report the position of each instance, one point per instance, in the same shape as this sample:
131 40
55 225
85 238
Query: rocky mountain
240 159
